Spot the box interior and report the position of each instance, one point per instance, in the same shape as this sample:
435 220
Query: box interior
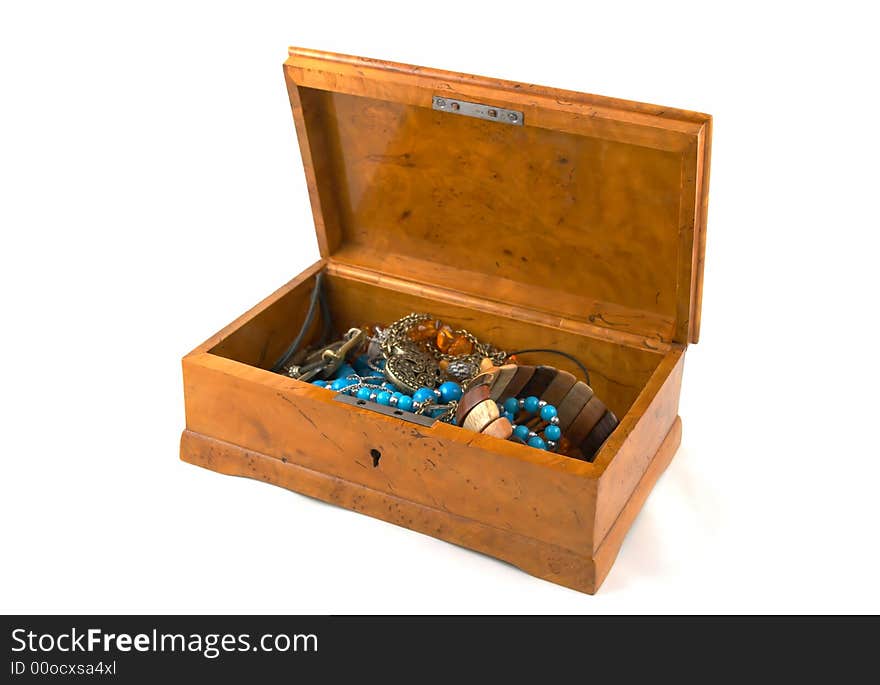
583 226
618 372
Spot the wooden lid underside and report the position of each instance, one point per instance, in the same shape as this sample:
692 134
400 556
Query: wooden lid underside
593 210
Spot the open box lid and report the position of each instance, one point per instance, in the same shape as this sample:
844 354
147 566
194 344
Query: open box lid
587 208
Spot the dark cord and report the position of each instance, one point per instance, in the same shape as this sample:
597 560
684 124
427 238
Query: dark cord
564 354
317 300
327 330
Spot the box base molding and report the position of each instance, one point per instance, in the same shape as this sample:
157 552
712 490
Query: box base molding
558 565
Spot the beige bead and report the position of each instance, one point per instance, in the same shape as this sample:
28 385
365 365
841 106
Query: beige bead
481 415
499 428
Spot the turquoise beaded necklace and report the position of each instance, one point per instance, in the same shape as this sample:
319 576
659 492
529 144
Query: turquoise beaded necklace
547 438
365 381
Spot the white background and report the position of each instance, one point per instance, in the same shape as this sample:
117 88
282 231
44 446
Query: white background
151 190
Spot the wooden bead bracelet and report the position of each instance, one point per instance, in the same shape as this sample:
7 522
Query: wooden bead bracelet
520 402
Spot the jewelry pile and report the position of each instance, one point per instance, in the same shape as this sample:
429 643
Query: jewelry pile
417 364
420 365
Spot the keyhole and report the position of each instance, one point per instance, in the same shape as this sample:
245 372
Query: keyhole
376 454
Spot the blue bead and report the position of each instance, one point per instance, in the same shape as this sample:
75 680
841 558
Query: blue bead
339 384
531 404
423 394
363 394
548 411
511 406
450 391
397 394
384 397
320 384
405 402
537 443
361 366
552 432
344 371
522 432
507 415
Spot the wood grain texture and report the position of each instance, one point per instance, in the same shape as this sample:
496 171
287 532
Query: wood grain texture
562 384
603 429
409 280
260 335
474 396
499 380
555 564
573 404
593 210
586 420
704 157
626 454
476 476
499 428
608 549
480 416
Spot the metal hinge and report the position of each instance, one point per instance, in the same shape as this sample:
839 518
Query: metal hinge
478 111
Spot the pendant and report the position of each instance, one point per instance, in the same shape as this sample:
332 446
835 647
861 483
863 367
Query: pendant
463 369
410 369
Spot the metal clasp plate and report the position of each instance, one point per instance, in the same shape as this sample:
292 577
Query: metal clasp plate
386 410
477 110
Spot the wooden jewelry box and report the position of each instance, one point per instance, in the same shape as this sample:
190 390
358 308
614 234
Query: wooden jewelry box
533 217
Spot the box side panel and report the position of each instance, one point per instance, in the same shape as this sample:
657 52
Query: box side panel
249 338
704 162
607 551
538 558
492 481
631 448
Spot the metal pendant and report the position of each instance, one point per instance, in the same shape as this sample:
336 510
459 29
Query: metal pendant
411 369
463 369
